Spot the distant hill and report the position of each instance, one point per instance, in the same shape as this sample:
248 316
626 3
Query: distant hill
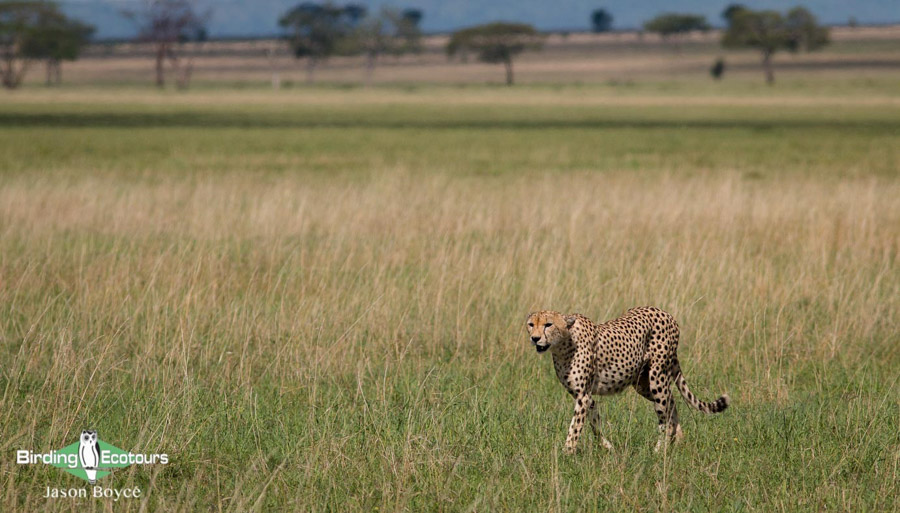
250 18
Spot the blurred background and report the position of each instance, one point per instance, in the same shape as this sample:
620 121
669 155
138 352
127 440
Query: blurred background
240 43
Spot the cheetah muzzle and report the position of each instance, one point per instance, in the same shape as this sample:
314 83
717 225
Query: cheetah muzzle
636 350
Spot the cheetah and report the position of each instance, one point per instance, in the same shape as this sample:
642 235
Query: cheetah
637 349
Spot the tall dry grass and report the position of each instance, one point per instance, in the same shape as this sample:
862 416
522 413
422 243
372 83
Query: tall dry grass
200 272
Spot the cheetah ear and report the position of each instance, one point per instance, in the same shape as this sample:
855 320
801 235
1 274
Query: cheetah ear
570 321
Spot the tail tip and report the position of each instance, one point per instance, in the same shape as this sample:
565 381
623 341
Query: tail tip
723 402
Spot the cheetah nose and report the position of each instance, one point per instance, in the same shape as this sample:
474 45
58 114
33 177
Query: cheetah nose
535 339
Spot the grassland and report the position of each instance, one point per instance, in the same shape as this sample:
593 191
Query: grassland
312 299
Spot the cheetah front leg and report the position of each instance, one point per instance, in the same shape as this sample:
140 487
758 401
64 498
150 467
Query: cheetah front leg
583 403
595 426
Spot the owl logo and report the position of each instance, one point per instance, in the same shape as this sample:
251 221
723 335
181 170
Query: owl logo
89 454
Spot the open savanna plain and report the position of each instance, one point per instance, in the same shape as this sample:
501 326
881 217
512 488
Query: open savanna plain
314 299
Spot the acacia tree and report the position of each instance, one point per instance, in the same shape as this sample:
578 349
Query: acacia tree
408 29
804 31
390 32
496 43
32 31
769 31
18 22
317 31
57 38
673 24
167 25
731 11
355 13
601 20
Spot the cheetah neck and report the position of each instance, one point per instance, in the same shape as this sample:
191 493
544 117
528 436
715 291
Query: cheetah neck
563 348
563 352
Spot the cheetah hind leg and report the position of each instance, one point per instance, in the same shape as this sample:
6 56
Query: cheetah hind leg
595 427
669 433
658 392
642 387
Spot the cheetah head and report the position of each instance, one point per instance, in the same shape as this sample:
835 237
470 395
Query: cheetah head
547 328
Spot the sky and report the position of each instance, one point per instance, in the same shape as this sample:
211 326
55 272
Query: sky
240 18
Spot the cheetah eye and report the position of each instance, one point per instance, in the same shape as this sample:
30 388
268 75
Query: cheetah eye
530 324
548 325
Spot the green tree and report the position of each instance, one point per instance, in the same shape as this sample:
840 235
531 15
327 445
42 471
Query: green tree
763 30
804 30
18 22
729 12
674 24
409 31
318 31
496 43
413 16
355 13
57 38
769 31
601 20
31 31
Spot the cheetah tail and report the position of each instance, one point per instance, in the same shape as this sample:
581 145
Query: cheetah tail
716 406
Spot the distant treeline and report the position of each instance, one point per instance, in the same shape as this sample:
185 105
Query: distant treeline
38 31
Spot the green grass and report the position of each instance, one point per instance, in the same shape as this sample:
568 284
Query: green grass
334 133
314 301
